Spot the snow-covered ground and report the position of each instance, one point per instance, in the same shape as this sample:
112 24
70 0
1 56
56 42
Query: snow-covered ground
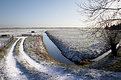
45 69
60 73
105 54
23 67
2 41
78 45
11 67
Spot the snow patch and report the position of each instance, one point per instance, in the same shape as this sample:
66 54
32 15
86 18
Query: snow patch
11 67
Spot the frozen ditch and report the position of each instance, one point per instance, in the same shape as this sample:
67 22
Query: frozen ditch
54 52
11 67
77 45
57 73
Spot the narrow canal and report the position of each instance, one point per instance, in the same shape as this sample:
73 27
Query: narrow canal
54 52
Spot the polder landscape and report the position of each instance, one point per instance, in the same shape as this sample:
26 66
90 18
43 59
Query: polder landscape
64 52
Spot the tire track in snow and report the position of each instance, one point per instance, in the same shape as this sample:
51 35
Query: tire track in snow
45 69
26 58
11 67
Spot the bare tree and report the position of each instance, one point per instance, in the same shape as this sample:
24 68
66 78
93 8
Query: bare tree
111 36
106 15
102 11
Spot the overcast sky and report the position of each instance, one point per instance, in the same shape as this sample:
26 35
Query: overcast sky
40 13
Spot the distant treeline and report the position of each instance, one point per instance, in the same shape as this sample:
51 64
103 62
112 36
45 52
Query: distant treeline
118 27
42 28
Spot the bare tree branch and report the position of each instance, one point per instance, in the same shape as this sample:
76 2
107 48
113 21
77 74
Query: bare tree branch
107 15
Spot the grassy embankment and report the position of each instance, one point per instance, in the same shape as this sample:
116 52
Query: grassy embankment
115 63
31 45
4 50
16 50
58 63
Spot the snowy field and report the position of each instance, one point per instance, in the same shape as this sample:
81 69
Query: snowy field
2 40
77 44
22 66
16 32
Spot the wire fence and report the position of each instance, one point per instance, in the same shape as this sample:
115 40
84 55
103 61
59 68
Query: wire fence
6 42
